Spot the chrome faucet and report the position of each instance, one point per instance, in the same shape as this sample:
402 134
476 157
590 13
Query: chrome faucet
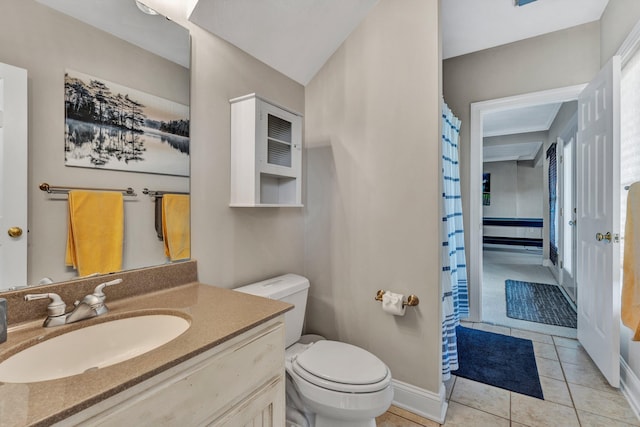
55 309
91 305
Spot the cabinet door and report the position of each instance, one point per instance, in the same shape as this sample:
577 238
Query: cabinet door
280 152
265 408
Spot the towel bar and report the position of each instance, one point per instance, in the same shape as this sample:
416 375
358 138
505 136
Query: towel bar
65 190
411 301
155 193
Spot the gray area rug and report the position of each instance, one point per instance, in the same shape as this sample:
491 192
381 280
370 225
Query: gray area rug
540 303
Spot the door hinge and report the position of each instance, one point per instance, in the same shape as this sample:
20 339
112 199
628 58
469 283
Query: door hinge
560 264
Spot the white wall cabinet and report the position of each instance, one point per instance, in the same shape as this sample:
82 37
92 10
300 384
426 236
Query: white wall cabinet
266 154
237 383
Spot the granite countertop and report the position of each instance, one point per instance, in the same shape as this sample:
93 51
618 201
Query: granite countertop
216 315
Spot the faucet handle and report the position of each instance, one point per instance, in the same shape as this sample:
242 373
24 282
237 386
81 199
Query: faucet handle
97 292
56 307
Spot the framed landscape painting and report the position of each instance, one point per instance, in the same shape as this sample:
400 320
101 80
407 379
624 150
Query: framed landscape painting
110 126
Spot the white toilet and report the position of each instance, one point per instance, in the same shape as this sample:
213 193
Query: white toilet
339 384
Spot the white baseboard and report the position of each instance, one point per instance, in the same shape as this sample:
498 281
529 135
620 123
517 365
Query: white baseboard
421 402
630 386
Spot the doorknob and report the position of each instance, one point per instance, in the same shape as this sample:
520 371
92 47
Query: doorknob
572 223
14 232
600 237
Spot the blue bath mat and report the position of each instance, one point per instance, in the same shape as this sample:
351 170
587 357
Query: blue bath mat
498 360
540 303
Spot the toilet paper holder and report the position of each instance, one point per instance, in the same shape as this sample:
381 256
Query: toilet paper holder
411 301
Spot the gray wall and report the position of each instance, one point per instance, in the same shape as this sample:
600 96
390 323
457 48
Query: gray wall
372 177
45 43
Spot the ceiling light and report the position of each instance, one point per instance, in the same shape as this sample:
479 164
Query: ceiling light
144 8
523 2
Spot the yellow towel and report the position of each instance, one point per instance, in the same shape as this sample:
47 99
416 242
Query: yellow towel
631 264
176 227
96 231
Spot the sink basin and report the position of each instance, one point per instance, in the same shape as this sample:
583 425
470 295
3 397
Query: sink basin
92 347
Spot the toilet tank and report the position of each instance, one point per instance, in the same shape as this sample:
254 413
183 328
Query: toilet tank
289 288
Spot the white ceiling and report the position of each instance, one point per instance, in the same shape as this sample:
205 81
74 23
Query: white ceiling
519 120
513 122
511 151
472 25
296 37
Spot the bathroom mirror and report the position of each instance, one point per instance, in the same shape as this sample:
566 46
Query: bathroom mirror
113 41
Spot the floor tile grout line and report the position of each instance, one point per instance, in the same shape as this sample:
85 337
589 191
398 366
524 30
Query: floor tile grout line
511 407
482 410
566 383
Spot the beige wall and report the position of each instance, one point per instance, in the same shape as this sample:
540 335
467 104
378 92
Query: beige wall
45 43
233 246
618 19
554 60
516 190
372 178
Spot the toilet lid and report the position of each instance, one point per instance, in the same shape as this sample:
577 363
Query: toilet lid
341 363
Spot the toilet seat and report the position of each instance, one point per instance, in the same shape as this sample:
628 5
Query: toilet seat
341 367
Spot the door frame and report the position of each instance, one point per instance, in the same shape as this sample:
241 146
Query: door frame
478 111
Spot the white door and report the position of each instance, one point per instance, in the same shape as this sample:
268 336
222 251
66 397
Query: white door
13 178
598 220
568 214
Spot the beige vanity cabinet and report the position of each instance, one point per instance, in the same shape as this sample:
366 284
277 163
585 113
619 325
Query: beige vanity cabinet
266 154
237 383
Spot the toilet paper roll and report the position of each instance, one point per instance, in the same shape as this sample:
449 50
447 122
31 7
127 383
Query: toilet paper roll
392 303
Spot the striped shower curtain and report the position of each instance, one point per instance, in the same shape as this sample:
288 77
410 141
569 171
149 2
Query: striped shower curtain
455 294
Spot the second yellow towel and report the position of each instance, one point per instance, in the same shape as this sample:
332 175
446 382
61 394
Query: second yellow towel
630 274
96 231
176 226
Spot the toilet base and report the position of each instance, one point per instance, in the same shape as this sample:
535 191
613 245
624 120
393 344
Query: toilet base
332 422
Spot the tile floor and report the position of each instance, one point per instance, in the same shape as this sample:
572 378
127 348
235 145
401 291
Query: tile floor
575 393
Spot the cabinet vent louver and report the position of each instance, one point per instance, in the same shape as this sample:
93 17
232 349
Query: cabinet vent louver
279 154
279 129
279 141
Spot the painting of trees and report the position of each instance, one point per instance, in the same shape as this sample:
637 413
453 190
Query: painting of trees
115 127
95 103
